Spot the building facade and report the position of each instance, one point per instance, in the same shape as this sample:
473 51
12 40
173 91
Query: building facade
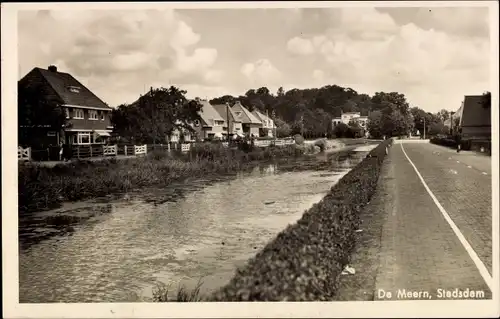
251 125
348 117
88 117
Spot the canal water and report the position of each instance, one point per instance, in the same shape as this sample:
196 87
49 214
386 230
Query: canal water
117 250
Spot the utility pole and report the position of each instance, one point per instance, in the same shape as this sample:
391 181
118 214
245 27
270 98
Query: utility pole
424 127
302 125
227 115
451 122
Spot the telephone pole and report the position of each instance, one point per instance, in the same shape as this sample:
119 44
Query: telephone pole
227 115
424 127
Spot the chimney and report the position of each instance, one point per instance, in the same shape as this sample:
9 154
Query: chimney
52 68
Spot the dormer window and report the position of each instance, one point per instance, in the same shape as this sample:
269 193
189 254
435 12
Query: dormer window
74 89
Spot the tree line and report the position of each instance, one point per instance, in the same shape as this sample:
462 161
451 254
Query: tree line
309 112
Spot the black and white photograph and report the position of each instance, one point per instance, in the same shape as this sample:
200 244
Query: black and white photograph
184 159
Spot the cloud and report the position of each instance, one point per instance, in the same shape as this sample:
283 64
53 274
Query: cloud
433 57
261 72
126 48
300 46
464 21
367 49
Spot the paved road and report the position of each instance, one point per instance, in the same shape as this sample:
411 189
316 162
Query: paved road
419 249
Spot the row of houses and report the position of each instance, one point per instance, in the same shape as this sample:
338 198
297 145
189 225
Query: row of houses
89 118
222 121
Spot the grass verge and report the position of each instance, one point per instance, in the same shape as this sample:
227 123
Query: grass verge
41 188
304 261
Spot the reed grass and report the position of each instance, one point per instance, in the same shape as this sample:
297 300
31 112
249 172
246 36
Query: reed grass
42 188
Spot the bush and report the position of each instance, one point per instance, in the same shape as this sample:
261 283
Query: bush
450 142
299 139
322 144
304 261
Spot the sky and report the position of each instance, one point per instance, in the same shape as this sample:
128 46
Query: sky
434 55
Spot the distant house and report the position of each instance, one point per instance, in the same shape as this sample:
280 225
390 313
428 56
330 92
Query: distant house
88 116
235 125
181 135
250 123
268 127
211 124
475 119
348 116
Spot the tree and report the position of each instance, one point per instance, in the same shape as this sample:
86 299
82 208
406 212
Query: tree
438 128
443 115
280 92
283 129
341 130
392 101
155 115
355 130
486 99
38 111
374 124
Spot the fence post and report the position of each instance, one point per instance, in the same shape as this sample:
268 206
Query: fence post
29 153
103 151
116 149
78 152
90 150
125 149
145 149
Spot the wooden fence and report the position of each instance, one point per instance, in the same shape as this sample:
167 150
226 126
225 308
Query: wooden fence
86 151
24 154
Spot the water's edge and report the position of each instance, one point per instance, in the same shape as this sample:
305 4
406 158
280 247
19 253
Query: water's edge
117 248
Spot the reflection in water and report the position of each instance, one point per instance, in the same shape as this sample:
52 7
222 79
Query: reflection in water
149 238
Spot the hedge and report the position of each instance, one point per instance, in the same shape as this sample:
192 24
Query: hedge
304 261
449 142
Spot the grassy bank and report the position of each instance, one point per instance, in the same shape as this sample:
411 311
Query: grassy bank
304 262
42 188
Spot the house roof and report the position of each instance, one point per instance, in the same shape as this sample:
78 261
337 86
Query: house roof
222 109
473 113
261 116
209 114
62 82
245 117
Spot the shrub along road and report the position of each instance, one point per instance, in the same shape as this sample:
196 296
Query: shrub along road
424 242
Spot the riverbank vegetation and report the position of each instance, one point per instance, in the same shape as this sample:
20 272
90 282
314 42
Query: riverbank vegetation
304 261
42 188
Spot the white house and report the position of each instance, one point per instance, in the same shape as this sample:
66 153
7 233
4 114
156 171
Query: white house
348 116
267 123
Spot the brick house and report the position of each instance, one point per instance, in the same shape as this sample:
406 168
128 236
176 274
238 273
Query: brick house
251 124
227 113
475 119
88 117
211 124
268 127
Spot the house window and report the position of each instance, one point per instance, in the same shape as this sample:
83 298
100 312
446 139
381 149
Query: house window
79 114
83 138
238 113
66 111
51 133
102 116
218 123
93 115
